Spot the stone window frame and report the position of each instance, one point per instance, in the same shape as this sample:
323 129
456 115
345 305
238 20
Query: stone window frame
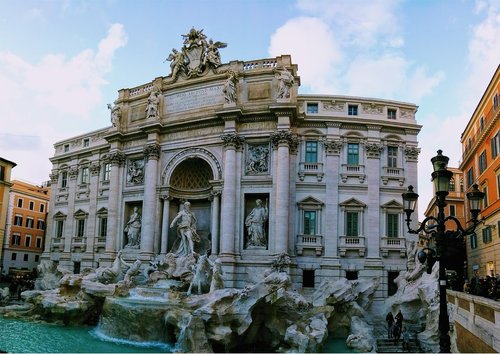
392 113
80 217
352 205
16 239
102 214
64 178
312 107
392 207
59 219
353 109
310 203
106 171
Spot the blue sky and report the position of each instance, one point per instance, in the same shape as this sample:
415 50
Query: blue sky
61 62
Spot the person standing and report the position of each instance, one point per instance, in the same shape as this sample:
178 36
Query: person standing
390 320
399 321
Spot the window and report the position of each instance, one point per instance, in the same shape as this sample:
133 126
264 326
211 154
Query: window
40 224
393 225
352 228
312 108
18 220
461 185
37 258
27 241
19 203
485 200
42 208
486 235
30 222
25 258
84 175
482 162
495 101
498 186
470 177
351 275
86 142
64 179
473 241
76 267
103 226
66 147
352 110
391 113
16 239
495 145
32 205
309 222
481 123
311 151
107 170
452 210
38 242
451 187
2 173
80 227
352 154
392 156
308 278
14 256
59 228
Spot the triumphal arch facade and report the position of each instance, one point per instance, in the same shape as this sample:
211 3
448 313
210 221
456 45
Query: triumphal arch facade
264 171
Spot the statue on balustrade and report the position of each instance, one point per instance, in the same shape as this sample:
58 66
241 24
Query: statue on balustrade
186 231
256 225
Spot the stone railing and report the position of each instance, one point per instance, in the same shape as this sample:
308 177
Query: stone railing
476 322
393 173
311 168
260 64
393 244
314 242
352 243
353 171
140 89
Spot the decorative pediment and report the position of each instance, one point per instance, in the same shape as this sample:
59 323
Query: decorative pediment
353 202
59 215
393 204
102 211
309 201
80 213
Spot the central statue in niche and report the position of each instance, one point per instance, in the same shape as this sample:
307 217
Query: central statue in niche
255 223
186 231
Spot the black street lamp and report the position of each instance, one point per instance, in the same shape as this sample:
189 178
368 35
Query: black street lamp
441 178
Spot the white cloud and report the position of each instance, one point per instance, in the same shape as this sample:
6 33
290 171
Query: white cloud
47 100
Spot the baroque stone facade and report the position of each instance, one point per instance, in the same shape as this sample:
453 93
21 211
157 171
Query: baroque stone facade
318 178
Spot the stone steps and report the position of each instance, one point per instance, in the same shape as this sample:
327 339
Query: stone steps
389 346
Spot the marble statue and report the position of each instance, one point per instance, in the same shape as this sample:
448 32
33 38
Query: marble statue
217 282
177 62
153 102
212 56
229 89
285 83
109 275
186 231
134 269
116 114
201 277
255 223
133 229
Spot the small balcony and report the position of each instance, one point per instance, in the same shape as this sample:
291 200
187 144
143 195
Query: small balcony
393 244
311 169
393 173
100 243
57 244
353 171
313 242
352 243
78 244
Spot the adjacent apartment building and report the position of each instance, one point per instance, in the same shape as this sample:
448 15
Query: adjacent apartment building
25 229
267 171
6 167
481 165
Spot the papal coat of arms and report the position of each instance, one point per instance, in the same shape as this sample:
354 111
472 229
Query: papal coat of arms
197 55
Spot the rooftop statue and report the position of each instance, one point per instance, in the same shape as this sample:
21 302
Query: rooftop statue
196 56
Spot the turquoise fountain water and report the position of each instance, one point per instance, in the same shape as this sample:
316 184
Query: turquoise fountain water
18 336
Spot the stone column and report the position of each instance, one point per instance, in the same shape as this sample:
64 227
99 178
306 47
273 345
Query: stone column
117 159
411 175
332 166
152 154
164 224
91 229
214 224
372 233
227 245
281 141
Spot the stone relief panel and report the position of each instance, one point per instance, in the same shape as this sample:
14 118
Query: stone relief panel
334 106
135 171
406 113
256 222
257 159
373 108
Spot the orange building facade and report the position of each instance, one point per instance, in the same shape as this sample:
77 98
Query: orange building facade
481 165
25 228
6 167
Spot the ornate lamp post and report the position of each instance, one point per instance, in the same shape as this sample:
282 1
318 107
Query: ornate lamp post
441 178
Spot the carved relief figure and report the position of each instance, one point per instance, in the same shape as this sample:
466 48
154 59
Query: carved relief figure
255 223
186 231
257 159
135 172
153 102
285 83
116 114
133 229
230 88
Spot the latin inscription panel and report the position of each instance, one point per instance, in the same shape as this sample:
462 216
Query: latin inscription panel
193 99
